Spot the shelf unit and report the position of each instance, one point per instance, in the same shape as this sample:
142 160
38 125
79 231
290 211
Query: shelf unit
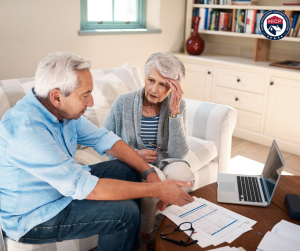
262 44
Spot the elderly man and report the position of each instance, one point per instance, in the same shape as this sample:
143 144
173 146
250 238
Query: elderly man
45 195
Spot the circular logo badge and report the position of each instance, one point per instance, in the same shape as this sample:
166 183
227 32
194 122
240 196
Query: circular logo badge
275 25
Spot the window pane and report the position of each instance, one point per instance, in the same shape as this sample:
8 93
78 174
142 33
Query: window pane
100 10
126 10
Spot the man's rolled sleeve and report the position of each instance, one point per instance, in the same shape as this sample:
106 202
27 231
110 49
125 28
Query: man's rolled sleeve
85 185
106 143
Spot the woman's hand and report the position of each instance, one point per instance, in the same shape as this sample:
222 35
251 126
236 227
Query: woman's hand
149 156
176 96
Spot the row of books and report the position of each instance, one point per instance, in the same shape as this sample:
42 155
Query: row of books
240 21
247 21
214 20
225 2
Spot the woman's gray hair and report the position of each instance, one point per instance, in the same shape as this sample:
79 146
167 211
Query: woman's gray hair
167 64
58 70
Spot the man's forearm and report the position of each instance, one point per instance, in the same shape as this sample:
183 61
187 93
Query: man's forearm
128 155
110 189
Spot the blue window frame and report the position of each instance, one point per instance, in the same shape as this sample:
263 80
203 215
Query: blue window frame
113 12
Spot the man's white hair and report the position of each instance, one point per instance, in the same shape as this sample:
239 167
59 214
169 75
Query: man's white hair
167 64
58 71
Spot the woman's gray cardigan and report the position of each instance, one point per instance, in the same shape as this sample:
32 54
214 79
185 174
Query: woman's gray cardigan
124 119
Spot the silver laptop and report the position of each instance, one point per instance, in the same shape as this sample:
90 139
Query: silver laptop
252 189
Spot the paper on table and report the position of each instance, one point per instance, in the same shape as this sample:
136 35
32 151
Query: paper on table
227 248
287 229
211 222
275 242
234 234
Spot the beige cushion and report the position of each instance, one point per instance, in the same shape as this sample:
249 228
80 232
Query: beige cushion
201 153
109 86
11 94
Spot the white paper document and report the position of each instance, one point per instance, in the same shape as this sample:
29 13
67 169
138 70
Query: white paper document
227 248
213 224
284 236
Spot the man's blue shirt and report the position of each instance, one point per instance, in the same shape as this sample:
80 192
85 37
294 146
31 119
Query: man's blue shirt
38 174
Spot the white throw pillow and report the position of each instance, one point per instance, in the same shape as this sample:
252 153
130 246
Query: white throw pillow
96 115
201 153
108 85
11 94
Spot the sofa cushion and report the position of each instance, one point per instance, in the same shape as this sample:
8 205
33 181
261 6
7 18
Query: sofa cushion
96 114
201 153
69 245
15 81
11 94
109 86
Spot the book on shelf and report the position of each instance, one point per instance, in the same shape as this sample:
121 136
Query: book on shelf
202 19
296 31
291 21
257 19
262 12
225 21
295 19
253 22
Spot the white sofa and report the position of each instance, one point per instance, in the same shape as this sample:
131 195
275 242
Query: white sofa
210 128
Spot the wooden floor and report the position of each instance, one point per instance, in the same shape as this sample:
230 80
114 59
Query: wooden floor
249 158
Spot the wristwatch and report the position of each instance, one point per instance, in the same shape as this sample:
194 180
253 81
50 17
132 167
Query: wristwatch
150 170
175 116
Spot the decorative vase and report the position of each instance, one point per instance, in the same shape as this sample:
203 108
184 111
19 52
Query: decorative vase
195 44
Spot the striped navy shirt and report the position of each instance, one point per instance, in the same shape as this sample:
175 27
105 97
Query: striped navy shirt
149 130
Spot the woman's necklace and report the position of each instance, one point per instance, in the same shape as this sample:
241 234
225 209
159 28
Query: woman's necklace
149 112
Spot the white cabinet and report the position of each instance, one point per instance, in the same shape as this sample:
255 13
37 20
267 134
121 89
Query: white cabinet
198 81
239 99
265 112
283 109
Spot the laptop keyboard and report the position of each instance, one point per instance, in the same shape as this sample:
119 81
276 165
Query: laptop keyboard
270 186
248 189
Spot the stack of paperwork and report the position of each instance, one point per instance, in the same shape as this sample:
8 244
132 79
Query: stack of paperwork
213 224
284 236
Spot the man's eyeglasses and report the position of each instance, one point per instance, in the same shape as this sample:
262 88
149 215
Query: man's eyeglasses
183 227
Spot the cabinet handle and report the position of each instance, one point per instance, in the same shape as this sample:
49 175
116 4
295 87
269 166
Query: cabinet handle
238 80
236 99
272 83
208 72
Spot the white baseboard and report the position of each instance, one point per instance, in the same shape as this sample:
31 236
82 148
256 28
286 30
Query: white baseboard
262 139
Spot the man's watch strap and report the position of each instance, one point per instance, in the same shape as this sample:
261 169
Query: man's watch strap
150 170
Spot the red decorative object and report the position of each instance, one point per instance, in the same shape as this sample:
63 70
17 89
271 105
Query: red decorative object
195 44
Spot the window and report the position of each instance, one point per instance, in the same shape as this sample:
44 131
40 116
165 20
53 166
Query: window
113 14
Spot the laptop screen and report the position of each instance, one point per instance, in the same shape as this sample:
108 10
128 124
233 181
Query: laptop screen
272 171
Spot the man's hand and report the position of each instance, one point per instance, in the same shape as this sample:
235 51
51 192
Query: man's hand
161 205
149 156
170 192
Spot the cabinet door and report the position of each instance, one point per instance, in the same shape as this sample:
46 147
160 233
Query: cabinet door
198 82
283 110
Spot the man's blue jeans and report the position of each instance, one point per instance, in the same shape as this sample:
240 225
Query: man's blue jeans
116 222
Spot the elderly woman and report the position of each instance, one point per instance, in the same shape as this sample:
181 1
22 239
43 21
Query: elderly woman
152 120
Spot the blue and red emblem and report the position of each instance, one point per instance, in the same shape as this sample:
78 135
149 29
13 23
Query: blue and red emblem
274 25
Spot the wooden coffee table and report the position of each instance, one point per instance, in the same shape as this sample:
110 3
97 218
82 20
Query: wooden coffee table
266 217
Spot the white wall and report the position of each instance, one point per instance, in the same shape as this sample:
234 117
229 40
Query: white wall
31 29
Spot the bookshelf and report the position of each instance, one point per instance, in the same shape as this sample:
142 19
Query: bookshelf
262 44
